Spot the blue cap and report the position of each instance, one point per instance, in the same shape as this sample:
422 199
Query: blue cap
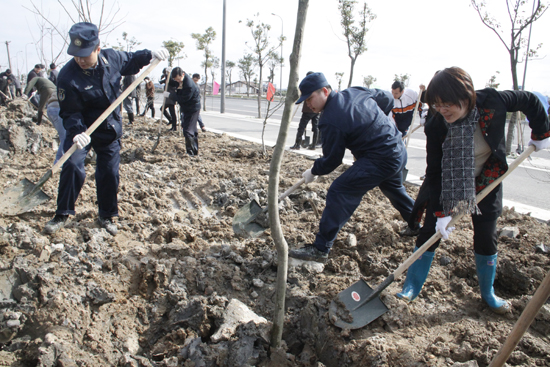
310 84
84 39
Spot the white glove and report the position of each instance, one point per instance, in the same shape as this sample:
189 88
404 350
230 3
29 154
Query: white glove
441 227
166 94
161 54
540 144
310 177
82 140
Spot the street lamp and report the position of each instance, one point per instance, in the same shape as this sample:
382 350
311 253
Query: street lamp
281 86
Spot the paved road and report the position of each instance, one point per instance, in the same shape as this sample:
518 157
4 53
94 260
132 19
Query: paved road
526 188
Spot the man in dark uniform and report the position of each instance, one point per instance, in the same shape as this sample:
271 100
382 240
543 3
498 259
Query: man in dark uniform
307 115
356 119
86 86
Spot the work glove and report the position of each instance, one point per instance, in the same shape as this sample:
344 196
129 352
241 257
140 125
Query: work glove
166 94
82 140
310 177
161 54
441 227
540 144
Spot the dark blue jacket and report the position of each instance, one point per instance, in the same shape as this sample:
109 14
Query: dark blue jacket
354 119
85 94
188 96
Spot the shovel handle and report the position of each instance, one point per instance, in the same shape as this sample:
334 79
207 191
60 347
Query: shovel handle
106 113
401 269
287 192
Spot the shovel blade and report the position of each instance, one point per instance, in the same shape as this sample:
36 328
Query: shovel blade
243 221
16 200
342 311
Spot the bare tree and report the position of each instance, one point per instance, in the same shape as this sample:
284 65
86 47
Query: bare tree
203 44
339 77
246 65
174 49
520 19
403 78
368 80
127 44
262 50
98 12
229 65
274 170
355 36
492 83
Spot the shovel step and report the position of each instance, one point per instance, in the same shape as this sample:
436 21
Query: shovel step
342 311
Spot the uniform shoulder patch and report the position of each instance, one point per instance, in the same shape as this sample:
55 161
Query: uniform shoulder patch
61 94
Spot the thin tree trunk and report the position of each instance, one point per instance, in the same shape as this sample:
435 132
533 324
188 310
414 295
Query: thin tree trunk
273 209
510 134
205 85
260 95
351 72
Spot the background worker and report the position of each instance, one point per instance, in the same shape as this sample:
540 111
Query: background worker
403 106
465 153
307 116
196 78
45 89
127 103
355 119
187 94
150 94
87 85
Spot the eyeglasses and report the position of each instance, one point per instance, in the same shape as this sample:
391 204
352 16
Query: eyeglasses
437 106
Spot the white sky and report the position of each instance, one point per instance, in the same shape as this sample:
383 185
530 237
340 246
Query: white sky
408 37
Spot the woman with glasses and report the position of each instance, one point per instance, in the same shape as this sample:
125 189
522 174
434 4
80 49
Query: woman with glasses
465 147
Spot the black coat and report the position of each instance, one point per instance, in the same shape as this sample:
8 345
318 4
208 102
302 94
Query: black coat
188 96
492 106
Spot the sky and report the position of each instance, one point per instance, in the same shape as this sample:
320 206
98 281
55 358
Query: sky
407 37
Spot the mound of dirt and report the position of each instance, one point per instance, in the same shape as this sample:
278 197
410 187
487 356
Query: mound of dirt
177 287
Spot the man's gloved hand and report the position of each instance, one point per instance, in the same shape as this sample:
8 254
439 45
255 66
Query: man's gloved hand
310 177
161 54
540 144
166 94
441 227
82 140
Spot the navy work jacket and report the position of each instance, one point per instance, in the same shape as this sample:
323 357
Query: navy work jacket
85 94
354 119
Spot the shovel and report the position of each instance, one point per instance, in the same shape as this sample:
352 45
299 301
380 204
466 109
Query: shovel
162 112
359 304
243 221
26 195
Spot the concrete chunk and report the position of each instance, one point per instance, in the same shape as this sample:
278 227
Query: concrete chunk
236 313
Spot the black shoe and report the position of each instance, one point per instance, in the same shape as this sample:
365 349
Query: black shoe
295 147
56 223
407 231
311 147
108 224
310 253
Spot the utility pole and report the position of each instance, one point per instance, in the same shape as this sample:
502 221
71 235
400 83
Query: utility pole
8 47
222 102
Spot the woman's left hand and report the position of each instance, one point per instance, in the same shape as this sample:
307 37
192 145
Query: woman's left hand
540 144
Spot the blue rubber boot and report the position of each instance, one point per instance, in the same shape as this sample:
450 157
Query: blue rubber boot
416 276
486 270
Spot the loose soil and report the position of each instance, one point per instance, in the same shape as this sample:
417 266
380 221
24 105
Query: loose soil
155 294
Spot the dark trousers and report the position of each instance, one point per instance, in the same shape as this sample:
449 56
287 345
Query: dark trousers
306 117
107 177
485 225
189 127
346 192
170 114
150 105
45 94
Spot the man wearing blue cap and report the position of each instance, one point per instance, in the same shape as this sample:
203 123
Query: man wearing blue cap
354 119
86 86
